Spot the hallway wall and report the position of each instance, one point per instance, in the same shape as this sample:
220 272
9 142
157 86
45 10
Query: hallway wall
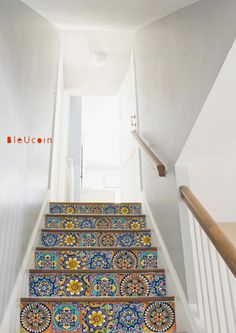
177 61
74 142
130 173
28 65
209 153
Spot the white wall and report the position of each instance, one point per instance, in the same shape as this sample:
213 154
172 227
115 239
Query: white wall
28 65
177 60
74 141
210 151
130 176
207 163
59 151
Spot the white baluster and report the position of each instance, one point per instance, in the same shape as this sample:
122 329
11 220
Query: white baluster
228 305
232 287
220 305
203 280
210 284
196 268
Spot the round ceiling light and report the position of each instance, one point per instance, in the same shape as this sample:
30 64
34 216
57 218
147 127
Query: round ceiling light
98 58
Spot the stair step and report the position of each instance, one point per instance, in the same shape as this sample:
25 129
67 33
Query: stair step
96 238
133 208
95 221
105 315
96 271
97 284
95 258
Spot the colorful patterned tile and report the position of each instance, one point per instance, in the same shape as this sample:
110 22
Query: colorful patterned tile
104 285
158 285
93 259
43 285
99 260
125 259
97 317
49 285
66 317
142 284
36 317
94 222
95 208
96 239
47 261
93 284
148 259
128 318
159 317
95 250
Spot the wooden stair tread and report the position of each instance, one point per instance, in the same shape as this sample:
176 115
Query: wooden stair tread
67 248
95 271
104 299
96 215
97 230
94 203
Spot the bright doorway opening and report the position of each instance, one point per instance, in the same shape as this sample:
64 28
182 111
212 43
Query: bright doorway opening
100 149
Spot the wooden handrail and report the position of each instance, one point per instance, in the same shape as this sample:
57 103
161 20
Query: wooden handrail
223 245
150 154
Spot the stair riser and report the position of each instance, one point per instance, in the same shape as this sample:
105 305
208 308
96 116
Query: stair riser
83 222
81 317
97 285
92 259
96 239
95 208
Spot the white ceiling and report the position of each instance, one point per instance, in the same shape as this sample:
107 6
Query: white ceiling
90 27
105 14
81 74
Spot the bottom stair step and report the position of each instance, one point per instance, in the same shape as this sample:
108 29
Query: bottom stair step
103 315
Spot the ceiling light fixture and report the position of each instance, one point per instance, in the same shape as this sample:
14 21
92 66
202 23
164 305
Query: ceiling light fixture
98 57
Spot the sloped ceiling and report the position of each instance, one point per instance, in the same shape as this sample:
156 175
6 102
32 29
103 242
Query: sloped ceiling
105 14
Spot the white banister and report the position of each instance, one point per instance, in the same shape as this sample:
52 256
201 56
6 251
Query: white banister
214 283
214 266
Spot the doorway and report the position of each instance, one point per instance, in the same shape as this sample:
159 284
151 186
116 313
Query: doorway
100 149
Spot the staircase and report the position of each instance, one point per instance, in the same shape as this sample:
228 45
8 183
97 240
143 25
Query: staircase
97 272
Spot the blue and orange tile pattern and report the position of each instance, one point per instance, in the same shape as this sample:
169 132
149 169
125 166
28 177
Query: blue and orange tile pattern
96 238
54 221
76 259
96 272
97 284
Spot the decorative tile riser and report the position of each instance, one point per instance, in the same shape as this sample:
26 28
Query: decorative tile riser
96 239
94 222
98 285
84 317
95 208
94 259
